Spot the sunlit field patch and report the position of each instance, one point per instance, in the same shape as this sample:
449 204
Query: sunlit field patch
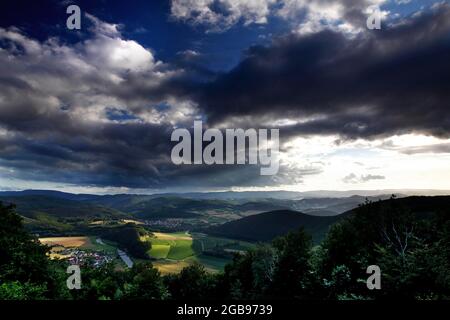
67 242
170 266
160 251
132 221
177 250
175 246
173 236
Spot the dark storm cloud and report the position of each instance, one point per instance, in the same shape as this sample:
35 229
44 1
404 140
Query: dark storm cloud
56 101
115 155
66 116
219 16
55 110
378 83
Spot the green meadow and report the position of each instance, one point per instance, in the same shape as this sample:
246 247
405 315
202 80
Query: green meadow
173 251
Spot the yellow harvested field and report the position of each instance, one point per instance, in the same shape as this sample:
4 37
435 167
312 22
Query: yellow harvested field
98 222
67 242
167 267
168 236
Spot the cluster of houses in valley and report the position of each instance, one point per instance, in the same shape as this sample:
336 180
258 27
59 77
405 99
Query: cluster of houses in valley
81 257
170 223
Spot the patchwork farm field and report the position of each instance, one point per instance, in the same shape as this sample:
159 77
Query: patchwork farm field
173 246
175 251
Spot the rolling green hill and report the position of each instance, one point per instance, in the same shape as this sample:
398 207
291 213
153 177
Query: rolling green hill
47 215
269 225
173 207
31 206
150 207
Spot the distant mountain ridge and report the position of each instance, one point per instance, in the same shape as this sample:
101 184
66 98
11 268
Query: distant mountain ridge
236 195
174 206
31 205
185 205
50 193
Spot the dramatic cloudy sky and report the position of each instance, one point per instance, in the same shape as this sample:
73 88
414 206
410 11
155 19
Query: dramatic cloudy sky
93 110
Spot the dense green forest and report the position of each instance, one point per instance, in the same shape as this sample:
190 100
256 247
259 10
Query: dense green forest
411 248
